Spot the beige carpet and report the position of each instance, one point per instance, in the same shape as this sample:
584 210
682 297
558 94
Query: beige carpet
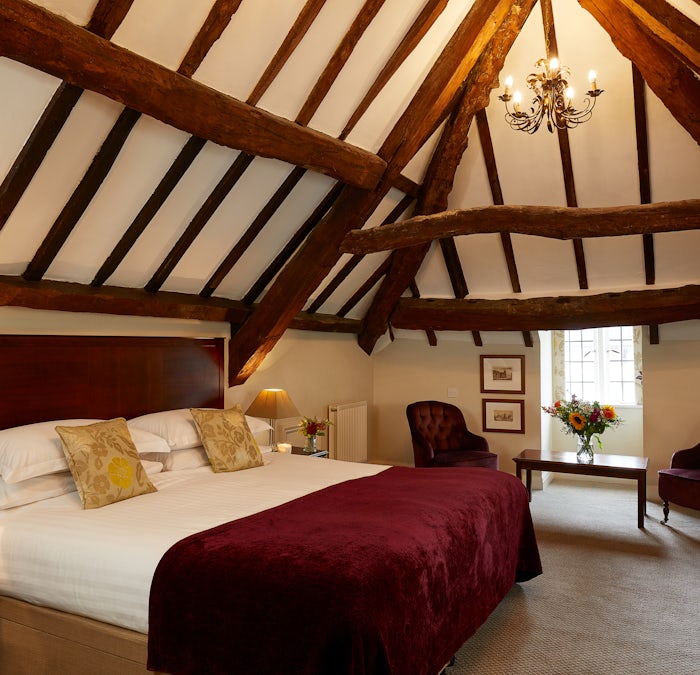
613 599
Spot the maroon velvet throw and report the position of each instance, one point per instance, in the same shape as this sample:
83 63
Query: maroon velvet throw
385 574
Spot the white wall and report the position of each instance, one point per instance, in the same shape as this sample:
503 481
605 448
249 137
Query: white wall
411 370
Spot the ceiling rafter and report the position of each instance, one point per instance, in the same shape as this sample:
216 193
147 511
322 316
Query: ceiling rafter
296 282
666 75
552 50
482 124
42 40
218 18
474 95
106 18
296 34
424 21
355 260
555 222
233 174
628 308
342 53
293 244
259 222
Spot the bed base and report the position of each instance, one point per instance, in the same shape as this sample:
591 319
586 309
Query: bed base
42 641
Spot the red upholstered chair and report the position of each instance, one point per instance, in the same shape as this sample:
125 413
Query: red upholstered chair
681 483
441 438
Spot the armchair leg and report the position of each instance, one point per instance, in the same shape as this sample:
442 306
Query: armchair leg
665 511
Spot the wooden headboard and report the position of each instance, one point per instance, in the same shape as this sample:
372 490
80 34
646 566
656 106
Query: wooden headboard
46 377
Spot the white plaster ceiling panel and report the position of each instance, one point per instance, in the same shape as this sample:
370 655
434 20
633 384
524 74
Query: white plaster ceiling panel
236 61
294 82
545 266
174 216
145 158
77 11
433 279
59 174
674 267
614 263
484 264
162 31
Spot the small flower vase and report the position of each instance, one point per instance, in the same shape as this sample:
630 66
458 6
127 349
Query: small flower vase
310 446
584 450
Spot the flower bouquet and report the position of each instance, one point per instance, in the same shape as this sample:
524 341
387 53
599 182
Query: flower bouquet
585 419
311 428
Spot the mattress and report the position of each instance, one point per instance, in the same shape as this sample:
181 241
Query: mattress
100 563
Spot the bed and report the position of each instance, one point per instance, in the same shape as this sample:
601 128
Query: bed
280 568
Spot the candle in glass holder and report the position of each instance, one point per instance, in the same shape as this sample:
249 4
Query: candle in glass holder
284 447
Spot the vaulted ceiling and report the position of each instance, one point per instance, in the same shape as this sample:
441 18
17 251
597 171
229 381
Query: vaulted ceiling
345 165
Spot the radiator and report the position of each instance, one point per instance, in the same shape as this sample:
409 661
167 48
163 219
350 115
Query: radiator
347 435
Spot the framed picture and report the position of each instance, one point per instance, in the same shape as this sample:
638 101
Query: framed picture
502 374
503 414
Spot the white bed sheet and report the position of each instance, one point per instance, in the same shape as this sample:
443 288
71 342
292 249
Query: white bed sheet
100 562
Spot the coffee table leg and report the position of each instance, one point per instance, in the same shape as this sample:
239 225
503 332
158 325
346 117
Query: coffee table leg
528 483
641 499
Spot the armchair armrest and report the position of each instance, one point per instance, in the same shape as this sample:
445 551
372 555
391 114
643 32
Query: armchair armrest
686 459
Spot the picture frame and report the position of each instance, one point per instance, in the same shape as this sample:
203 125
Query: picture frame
502 374
506 415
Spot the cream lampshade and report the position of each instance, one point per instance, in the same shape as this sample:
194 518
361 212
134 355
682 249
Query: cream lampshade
272 404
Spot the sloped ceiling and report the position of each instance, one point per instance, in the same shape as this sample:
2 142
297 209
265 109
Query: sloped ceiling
217 160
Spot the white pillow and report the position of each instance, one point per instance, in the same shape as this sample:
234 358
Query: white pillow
35 449
187 458
35 489
177 427
151 467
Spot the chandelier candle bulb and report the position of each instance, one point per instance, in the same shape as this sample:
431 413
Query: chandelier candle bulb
592 79
509 85
517 97
554 65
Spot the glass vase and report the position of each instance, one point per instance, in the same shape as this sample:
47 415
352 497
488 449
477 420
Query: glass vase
310 446
584 450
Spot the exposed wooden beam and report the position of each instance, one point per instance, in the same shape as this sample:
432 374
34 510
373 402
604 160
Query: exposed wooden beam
167 184
667 75
214 25
292 245
440 174
325 323
82 195
312 263
543 221
105 19
629 308
259 222
427 17
201 218
552 50
73 297
42 40
342 53
369 283
673 28
291 41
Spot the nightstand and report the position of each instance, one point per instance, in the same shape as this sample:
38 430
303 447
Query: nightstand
299 450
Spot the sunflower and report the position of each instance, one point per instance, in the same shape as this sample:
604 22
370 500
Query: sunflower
577 420
609 412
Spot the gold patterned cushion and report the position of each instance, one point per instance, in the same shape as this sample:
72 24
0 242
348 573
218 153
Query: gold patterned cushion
227 438
104 462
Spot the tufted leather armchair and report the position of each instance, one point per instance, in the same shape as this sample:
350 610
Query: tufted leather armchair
681 483
441 438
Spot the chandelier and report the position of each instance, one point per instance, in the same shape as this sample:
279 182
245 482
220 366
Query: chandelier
552 101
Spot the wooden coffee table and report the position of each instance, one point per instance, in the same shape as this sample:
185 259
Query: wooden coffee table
613 466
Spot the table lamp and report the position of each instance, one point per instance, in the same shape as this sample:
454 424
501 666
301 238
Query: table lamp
272 404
